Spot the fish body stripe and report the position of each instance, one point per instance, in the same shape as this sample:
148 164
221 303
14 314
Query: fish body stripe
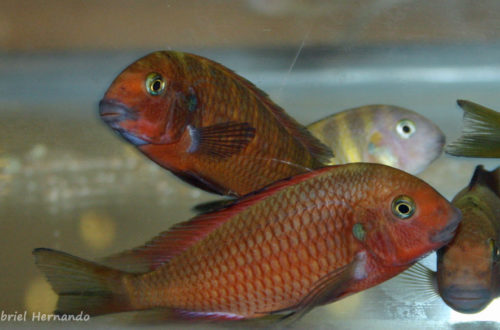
347 139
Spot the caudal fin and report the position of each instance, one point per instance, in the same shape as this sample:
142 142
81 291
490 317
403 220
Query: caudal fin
481 132
82 286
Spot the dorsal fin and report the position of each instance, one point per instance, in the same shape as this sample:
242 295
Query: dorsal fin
496 179
486 178
182 235
320 152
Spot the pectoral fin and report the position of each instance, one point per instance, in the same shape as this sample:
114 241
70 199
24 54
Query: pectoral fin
221 140
418 284
327 289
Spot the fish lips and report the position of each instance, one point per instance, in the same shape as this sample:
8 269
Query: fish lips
113 113
467 300
447 233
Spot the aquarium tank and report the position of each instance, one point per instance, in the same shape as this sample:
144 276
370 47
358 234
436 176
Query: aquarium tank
69 183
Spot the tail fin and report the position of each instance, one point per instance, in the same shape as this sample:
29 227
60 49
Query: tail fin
82 285
481 132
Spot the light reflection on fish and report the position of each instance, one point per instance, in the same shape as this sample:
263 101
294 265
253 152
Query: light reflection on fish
480 134
302 242
384 134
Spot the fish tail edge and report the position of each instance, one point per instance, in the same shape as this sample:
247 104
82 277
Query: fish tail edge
480 134
82 286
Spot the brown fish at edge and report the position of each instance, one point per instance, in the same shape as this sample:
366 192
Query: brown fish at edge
468 268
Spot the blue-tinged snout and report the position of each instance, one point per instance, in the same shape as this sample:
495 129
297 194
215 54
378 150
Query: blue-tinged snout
114 114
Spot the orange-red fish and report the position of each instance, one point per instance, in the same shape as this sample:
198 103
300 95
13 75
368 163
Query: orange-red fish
299 243
208 125
468 268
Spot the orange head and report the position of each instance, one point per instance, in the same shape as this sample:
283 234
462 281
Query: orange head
404 219
148 103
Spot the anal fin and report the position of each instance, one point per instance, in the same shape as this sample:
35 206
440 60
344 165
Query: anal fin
161 315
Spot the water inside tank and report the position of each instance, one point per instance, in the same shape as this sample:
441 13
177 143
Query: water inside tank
67 182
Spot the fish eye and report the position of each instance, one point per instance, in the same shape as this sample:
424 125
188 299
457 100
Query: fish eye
155 85
403 207
405 128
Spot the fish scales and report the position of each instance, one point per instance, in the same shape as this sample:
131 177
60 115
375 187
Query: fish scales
209 126
260 148
284 249
287 262
232 94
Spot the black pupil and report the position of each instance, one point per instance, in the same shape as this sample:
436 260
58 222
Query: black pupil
156 85
406 129
403 208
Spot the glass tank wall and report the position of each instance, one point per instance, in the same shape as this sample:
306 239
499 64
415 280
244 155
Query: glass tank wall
67 182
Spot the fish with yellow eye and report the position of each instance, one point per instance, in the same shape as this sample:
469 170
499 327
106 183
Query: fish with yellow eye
468 268
480 134
207 125
299 243
384 134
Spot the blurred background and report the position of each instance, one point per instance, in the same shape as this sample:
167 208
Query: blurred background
67 182
59 25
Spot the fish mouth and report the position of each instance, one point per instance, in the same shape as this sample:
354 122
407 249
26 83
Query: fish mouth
113 113
447 233
468 300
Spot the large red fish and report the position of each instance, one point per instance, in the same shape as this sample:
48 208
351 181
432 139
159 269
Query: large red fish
299 243
208 125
